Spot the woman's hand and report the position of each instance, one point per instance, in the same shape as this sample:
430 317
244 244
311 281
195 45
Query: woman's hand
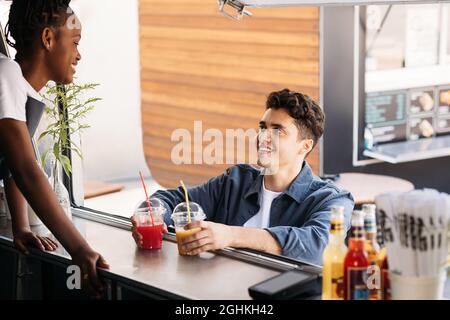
88 260
26 238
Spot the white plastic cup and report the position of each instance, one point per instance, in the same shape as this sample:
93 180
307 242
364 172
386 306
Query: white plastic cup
417 288
181 218
150 224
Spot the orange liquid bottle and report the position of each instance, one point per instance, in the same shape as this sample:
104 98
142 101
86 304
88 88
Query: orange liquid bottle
356 262
333 258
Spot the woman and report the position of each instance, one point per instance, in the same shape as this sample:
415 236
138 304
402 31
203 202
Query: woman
45 34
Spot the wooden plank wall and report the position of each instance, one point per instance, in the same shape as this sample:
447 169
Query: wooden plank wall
199 65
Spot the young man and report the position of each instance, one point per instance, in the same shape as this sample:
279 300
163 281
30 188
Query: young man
46 43
285 212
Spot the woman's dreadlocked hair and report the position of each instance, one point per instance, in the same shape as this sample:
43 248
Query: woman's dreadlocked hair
27 18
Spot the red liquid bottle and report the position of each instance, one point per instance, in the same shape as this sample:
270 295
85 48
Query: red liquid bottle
356 262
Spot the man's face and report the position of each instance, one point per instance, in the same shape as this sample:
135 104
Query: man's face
64 55
279 141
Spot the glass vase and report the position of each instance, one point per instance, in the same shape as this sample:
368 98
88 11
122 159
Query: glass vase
58 187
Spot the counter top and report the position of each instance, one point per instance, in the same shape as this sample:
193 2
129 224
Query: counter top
207 276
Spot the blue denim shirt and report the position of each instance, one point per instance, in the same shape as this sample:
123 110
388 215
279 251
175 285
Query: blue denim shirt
299 217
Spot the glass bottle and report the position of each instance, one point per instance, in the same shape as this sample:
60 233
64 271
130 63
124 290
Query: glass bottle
58 186
356 262
372 249
333 258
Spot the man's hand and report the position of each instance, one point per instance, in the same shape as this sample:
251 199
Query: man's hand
136 235
25 238
88 261
212 236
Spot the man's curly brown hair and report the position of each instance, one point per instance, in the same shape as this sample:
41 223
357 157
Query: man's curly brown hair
308 115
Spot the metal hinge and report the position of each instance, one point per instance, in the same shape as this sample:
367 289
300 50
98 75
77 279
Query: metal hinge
235 4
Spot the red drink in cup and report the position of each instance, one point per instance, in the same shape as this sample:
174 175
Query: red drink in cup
150 224
151 236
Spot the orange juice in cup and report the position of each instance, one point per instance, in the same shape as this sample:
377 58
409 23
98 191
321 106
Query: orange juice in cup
181 217
181 234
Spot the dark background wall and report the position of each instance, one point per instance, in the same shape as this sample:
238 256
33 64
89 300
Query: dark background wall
337 99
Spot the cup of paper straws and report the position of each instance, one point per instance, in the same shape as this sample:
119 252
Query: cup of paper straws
415 227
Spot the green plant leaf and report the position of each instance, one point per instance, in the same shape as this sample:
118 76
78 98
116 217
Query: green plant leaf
65 161
44 158
66 108
43 134
56 150
78 152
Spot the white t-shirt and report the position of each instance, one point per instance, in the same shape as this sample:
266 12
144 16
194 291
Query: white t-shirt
262 218
14 90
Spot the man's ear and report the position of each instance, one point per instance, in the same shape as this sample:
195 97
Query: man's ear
307 146
47 38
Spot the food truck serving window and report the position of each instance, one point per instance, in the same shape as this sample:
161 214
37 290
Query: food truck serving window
106 187
412 108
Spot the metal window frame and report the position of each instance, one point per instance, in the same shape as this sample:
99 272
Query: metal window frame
74 184
240 6
278 3
359 71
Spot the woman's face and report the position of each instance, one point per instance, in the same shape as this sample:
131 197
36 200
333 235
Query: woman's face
63 56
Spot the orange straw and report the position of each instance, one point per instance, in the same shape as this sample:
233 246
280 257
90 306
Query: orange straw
146 197
187 200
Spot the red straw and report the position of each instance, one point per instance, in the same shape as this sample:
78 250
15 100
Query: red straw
146 197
